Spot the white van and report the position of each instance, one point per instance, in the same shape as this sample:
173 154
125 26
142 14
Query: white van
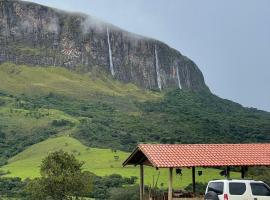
237 190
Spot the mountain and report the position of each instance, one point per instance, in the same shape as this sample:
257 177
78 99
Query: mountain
69 75
33 34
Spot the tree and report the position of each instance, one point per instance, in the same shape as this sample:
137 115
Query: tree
61 178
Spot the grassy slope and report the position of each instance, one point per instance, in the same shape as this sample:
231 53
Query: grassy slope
106 113
24 123
20 79
99 161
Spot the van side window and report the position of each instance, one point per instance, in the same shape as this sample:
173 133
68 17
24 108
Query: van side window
237 188
260 189
216 187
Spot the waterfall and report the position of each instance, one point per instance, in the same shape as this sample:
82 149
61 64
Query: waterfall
110 53
157 70
178 78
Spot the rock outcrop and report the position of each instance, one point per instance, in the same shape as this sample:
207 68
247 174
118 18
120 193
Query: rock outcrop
33 34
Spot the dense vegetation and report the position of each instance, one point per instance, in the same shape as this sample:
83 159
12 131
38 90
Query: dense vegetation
39 103
106 113
12 187
259 173
113 187
180 117
201 117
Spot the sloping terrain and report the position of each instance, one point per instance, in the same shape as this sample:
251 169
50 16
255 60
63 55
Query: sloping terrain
37 103
33 81
99 161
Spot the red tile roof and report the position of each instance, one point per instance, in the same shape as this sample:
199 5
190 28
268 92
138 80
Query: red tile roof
189 155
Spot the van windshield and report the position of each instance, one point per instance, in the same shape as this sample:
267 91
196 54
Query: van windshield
216 187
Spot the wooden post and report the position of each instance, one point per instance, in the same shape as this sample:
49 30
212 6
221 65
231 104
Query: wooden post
243 172
193 180
141 182
170 191
228 170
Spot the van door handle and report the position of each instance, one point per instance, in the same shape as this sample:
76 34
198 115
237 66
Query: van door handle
255 198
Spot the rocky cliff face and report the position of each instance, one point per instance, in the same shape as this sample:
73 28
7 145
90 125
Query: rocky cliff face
37 35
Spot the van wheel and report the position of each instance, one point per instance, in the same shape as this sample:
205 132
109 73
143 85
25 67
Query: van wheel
211 196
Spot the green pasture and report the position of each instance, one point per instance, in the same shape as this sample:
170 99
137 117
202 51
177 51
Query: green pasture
102 162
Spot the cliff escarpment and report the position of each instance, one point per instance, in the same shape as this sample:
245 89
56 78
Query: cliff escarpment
33 34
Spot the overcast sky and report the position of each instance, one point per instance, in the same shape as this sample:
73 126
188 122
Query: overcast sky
229 40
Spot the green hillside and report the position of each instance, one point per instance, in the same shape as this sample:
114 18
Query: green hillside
99 161
33 81
37 103
28 98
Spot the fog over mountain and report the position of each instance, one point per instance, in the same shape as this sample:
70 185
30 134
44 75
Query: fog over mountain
37 35
228 40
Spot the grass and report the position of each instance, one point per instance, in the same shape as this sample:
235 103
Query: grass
105 112
24 121
102 162
18 79
24 125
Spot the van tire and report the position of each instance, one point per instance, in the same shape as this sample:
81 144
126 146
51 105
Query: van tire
211 196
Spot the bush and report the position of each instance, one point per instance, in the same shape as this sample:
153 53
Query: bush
61 122
200 188
12 187
127 193
259 173
2 102
103 185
